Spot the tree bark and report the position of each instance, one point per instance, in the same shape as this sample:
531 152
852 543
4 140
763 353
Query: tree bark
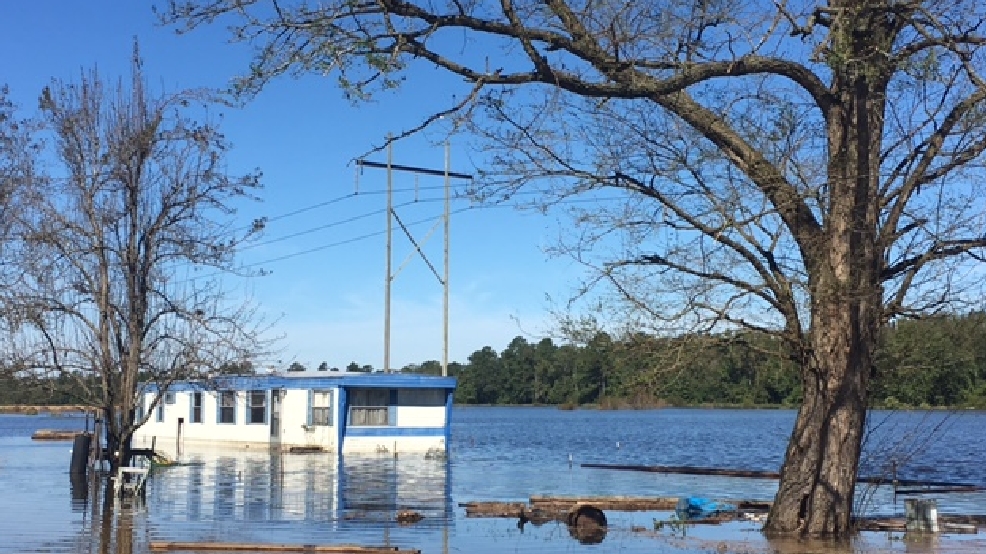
818 477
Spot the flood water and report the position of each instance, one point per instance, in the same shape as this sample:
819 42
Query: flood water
506 454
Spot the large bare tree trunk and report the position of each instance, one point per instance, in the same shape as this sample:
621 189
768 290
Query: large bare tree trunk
818 478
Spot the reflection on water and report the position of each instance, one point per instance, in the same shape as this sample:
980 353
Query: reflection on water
273 487
265 497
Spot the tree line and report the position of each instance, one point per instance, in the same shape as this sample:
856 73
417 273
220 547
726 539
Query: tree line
934 362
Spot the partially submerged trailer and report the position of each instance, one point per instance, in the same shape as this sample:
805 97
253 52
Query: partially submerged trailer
342 412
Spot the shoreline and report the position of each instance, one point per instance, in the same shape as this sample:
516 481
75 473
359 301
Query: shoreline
20 409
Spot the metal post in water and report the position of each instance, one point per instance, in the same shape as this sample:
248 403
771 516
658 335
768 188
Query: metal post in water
921 515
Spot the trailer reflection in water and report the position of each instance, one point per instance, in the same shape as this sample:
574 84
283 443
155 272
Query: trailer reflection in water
346 493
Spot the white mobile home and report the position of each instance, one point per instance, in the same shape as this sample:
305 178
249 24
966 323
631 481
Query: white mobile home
339 412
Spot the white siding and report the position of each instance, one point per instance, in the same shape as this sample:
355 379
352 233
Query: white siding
420 416
295 428
209 430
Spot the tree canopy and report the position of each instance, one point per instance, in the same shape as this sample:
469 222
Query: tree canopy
811 170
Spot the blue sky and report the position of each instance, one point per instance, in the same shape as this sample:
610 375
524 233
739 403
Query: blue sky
303 135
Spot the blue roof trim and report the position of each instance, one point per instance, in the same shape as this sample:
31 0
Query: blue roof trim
268 382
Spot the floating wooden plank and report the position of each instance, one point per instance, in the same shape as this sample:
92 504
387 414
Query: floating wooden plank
960 528
942 486
976 519
890 524
612 503
305 450
950 523
548 508
686 470
54 435
494 509
260 547
940 490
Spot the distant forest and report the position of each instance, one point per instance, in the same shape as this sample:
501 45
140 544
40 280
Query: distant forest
934 362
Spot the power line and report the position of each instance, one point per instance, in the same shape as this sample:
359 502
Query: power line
412 224
300 211
325 226
335 200
311 230
380 233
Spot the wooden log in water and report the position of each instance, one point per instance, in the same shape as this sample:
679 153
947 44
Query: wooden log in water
888 524
950 523
261 547
940 486
494 509
611 503
548 508
54 435
686 470
959 529
941 490
975 519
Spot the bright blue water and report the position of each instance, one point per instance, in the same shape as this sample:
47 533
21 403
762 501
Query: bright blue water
497 454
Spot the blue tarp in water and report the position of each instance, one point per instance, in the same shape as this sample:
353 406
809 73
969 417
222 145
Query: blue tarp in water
695 507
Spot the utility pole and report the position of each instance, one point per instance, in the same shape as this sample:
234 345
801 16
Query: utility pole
386 294
445 280
391 215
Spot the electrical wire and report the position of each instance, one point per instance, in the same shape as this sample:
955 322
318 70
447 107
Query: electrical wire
411 224
373 234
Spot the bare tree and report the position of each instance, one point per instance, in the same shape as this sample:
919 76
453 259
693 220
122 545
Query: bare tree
808 169
123 248
18 166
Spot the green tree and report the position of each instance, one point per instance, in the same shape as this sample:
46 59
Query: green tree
480 381
803 169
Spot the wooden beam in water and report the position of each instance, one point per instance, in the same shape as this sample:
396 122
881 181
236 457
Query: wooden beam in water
54 435
261 547
613 503
685 470
494 509
944 486
546 508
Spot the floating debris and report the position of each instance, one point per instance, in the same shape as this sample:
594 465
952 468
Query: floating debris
587 524
54 435
305 450
408 517
261 547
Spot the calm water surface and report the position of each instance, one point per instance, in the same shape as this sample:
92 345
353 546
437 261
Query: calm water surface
497 454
